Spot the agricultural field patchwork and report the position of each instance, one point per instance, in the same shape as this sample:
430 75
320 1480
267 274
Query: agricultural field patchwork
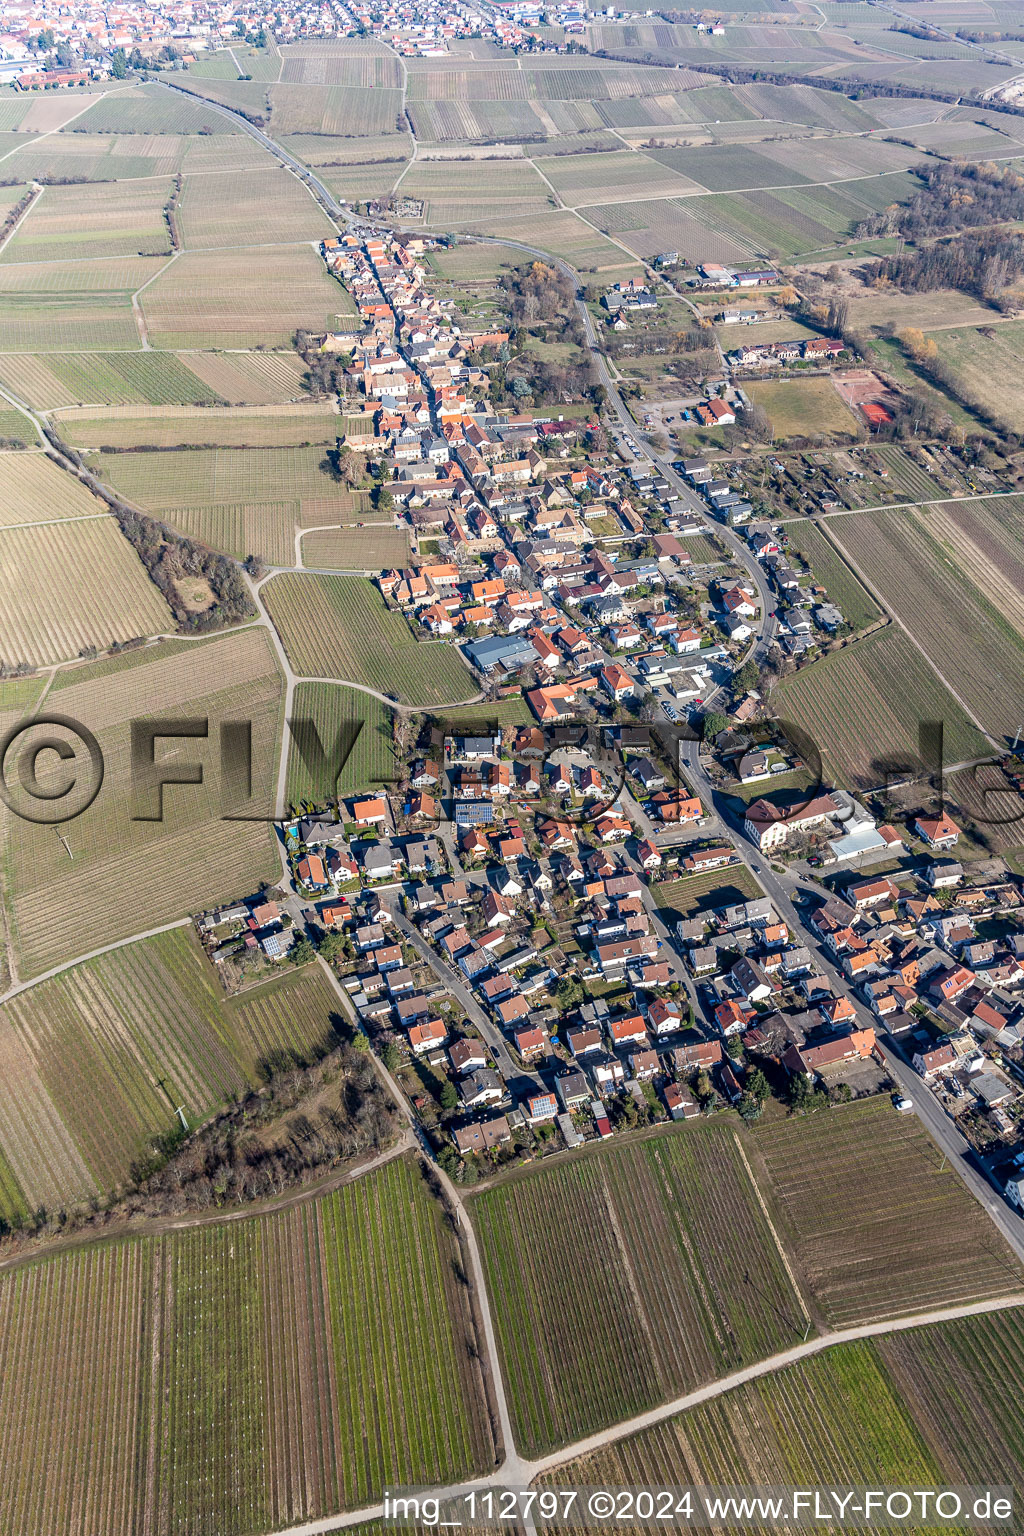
941 573
863 707
152 109
98 1058
47 614
332 1342
893 1229
338 626
847 1413
124 876
650 1267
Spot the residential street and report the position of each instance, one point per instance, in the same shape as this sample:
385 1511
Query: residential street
519 1078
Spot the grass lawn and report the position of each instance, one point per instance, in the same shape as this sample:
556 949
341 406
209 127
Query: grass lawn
804 408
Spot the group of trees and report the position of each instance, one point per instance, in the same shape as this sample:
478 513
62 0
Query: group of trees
256 1147
325 371
538 292
169 559
987 264
955 195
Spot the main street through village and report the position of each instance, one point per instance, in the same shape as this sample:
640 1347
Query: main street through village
781 887
789 892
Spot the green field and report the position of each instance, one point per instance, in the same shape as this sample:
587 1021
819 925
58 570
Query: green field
338 626
983 360
629 1275
839 1413
805 408
332 708
152 109
863 705
951 574
831 570
241 1376
97 1059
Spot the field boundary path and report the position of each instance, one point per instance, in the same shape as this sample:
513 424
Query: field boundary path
528 1471
930 662
514 1469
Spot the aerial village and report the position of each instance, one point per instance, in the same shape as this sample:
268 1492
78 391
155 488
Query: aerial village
547 930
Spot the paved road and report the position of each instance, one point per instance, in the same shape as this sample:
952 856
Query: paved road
451 978
932 1116
530 1470
941 1128
323 192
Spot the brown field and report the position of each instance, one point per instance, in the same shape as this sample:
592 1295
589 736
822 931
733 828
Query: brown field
34 490
169 426
922 567
48 613
566 235
249 208
250 378
214 299
125 876
105 220
890 1230
355 549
